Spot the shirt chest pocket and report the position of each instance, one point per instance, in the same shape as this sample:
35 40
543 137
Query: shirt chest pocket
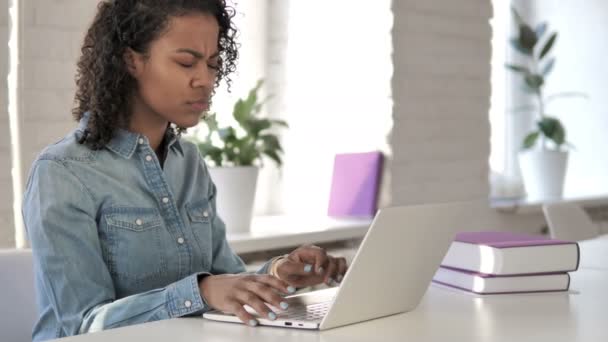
134 242
200 217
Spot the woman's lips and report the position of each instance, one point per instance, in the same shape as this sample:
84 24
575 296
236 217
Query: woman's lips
199 105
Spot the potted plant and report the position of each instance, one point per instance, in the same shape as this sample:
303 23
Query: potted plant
544 155
235 154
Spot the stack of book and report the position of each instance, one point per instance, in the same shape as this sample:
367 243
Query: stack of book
503 262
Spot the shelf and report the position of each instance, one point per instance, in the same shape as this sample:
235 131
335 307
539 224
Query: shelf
275 232
524 205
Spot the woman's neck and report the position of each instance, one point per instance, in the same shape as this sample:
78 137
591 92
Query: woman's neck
146 122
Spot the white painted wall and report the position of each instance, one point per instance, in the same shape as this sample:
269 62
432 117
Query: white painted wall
581 51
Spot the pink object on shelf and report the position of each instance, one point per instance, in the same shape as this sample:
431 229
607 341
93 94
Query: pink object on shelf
355 184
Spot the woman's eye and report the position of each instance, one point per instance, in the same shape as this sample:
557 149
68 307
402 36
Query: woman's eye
186 65
213 66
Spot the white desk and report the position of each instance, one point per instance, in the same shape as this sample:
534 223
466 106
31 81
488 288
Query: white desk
443 315
274 232
594 253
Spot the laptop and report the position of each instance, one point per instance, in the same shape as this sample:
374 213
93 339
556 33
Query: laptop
389 274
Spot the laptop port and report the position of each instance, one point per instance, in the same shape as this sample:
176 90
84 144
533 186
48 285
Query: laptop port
288 324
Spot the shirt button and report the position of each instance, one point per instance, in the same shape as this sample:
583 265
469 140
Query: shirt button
165 199
205 213
180 240
149 158
139 222
187 303
141 141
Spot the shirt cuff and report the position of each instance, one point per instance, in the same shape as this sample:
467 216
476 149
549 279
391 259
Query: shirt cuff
184 297
265 269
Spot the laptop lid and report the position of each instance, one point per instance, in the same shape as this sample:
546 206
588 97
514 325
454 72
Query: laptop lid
395 263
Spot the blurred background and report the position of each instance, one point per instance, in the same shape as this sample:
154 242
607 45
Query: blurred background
423 82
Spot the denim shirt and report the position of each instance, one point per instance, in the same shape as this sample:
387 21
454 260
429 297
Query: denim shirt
119 239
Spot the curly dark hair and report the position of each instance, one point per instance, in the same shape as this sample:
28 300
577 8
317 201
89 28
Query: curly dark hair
104 85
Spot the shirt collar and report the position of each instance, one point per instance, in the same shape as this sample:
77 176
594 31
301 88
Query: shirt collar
124 142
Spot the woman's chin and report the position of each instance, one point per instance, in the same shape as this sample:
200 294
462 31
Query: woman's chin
188 122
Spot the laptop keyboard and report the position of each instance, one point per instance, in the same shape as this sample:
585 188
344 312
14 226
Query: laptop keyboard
312 312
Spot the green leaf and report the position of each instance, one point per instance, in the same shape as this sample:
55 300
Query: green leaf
559 136
227 134
515 44
540 30
257 125
548 45
211 122
271 142
211 152
274 156
279 123
517 17
517 68
244 109
240 111
548 67
247 152
530 140
527 37
534 81
553 129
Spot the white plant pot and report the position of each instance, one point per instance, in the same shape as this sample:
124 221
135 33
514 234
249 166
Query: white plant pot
235 195
543 173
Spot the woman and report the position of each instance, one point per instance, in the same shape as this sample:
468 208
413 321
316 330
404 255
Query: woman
121 212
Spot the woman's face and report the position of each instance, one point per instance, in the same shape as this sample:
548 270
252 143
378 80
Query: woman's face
176 78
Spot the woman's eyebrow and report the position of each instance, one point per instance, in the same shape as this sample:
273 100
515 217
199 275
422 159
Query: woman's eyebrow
195 53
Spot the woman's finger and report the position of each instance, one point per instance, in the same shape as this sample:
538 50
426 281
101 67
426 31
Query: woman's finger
331 272
276 283
311 255
237 309
288 267
246 297
342 268
267 294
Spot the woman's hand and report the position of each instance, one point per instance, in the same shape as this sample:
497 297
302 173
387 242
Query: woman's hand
230 292
310 265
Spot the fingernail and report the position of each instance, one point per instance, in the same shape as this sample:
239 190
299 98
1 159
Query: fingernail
339 278
307 268
320 270
272 316
284 305
253 322
291 289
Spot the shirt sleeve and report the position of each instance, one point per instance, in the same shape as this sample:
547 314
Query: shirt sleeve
72 280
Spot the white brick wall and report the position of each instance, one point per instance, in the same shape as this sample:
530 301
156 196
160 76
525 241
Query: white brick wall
441 90
51 35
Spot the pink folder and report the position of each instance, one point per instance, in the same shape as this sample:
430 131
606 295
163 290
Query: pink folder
355 184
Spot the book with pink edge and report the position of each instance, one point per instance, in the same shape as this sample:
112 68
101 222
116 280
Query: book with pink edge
507 253
480 283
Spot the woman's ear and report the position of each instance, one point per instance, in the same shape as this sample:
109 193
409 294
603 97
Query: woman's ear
133 62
